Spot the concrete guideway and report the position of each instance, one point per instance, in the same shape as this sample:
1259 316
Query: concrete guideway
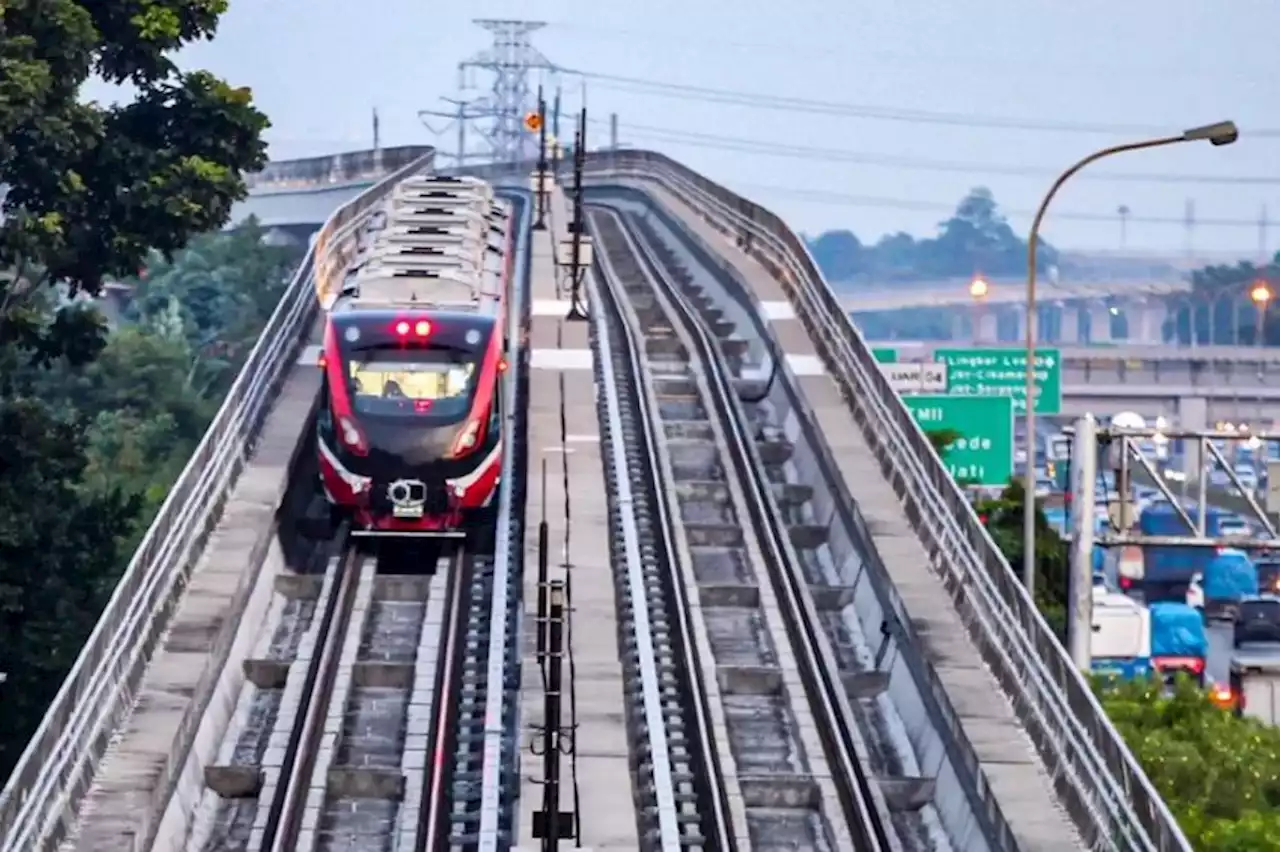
946 294
1008 760
186 692
564 442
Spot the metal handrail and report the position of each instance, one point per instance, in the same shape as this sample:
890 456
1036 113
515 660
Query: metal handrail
56 770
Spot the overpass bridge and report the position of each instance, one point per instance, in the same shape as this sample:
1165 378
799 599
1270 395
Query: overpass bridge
999 738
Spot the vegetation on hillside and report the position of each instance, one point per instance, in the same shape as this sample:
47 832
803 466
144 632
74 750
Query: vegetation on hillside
94 424
975 240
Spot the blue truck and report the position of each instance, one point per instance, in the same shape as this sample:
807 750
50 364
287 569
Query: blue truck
1179 644
1167 571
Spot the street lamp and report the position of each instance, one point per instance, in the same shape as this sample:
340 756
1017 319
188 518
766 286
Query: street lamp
978 289
1261 297
1221 133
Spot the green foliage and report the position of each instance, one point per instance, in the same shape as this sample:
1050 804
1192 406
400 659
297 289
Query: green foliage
1220 775
92 188
88 450
975 240
1004 516
58 557
942 439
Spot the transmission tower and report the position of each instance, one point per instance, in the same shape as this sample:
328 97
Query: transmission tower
510 58
463 113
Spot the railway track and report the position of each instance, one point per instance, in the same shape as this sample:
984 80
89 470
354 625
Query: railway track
347 735
752 697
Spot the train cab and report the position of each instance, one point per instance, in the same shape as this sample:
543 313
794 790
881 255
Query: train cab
409 429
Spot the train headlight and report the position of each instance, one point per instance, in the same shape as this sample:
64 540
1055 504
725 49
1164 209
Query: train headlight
459 492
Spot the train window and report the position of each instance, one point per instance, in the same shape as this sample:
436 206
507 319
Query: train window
421 381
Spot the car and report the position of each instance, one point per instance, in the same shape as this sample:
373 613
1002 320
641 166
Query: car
1234 528
1258 620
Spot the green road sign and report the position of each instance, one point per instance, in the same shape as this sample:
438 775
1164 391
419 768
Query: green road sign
1003 372
885 355
983 455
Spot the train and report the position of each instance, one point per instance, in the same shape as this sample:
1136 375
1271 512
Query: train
409 427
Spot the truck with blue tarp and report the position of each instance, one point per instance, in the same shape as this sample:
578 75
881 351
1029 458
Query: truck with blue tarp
1179 643
1167 570
1230 576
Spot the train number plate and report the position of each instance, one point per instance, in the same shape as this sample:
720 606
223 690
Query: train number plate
407 511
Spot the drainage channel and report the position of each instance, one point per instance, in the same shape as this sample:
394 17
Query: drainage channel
785 801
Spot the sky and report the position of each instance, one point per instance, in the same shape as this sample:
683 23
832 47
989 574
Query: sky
891 150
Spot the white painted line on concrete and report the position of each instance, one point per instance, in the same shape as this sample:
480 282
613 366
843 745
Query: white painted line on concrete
806 365
582 439
777 310
551 308
561 359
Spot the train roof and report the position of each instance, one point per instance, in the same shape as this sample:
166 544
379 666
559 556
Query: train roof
438 242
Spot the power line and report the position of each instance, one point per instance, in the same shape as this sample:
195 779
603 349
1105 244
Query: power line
777 149
840 199
684 91
986 60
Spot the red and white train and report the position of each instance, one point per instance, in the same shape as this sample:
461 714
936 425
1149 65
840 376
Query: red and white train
409 430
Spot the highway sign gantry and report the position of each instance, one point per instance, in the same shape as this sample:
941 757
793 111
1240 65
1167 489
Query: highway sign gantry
983 454
885 354
1003 372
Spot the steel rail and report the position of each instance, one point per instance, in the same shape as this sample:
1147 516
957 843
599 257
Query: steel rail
823 685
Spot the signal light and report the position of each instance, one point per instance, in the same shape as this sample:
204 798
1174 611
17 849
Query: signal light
502 365
322 360
421 328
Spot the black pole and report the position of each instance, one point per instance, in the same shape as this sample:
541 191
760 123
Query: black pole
551 759
579 224
539 223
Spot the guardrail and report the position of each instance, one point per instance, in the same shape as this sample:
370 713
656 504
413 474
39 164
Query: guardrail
39 803
1109 796
313 172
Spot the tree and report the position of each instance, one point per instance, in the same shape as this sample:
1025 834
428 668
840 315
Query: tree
92 188
1004 520
59 552
1220 775
976 239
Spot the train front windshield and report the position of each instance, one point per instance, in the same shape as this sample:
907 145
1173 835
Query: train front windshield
436 382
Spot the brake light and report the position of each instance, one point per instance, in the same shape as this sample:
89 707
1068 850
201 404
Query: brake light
421 328
352 436
1126 583
1194 665
982 519
322 361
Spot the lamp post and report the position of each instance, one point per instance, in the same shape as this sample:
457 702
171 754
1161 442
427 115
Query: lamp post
1261 297
1222 133
978 289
